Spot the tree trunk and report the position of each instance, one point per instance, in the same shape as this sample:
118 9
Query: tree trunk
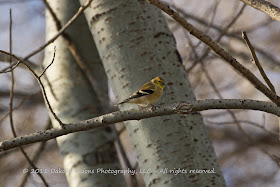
136 45
73 99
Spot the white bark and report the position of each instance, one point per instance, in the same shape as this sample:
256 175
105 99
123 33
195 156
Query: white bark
73 100
135 45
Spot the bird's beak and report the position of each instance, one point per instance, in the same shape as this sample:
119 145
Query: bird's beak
162 84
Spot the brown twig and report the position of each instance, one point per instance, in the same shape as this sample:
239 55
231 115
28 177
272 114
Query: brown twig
276 158
76 54
35 157
223 32
16 107
54 50
268 56
5 58
57 22
218 50
256 60
11 106
244 121
79 12
11 68
120 146
40 83
12 79
213 85
211 20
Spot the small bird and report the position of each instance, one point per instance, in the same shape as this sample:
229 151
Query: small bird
148 94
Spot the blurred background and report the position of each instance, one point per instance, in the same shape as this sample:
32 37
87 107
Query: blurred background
246 142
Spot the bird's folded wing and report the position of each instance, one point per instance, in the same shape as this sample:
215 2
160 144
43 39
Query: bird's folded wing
141 93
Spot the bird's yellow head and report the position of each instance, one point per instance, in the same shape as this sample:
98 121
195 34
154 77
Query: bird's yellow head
158 81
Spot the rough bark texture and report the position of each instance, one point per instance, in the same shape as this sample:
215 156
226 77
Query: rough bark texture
73 99
136 45
266 7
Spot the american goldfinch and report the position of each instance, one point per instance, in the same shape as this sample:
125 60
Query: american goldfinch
148 94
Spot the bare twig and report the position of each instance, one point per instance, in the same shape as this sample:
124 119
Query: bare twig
276 158
266 7
16 107
223 32
119 116
214 12
231 22
256 60
243 121
119 144
5 58
221 52
57 22
76 54
268 56
211 22
80 11
11 107
10 68
41 85
35 157
213 85
54 50
12 79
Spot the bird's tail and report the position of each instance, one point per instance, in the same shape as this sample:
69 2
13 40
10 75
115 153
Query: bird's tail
124 101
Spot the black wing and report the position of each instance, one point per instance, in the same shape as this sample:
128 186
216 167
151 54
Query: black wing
141 93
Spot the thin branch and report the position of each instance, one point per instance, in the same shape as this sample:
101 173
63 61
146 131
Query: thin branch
266 7
119 116
54 50
214 12
18 106
120 146
5 58
212 83
41 85
12 79
243 121
277 159
268 56
209 25
57 22
35 157
10 68
76 54
223 32
11 106
221 52
80 11
256 60
254 27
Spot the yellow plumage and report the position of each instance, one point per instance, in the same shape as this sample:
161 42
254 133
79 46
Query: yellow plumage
148 94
